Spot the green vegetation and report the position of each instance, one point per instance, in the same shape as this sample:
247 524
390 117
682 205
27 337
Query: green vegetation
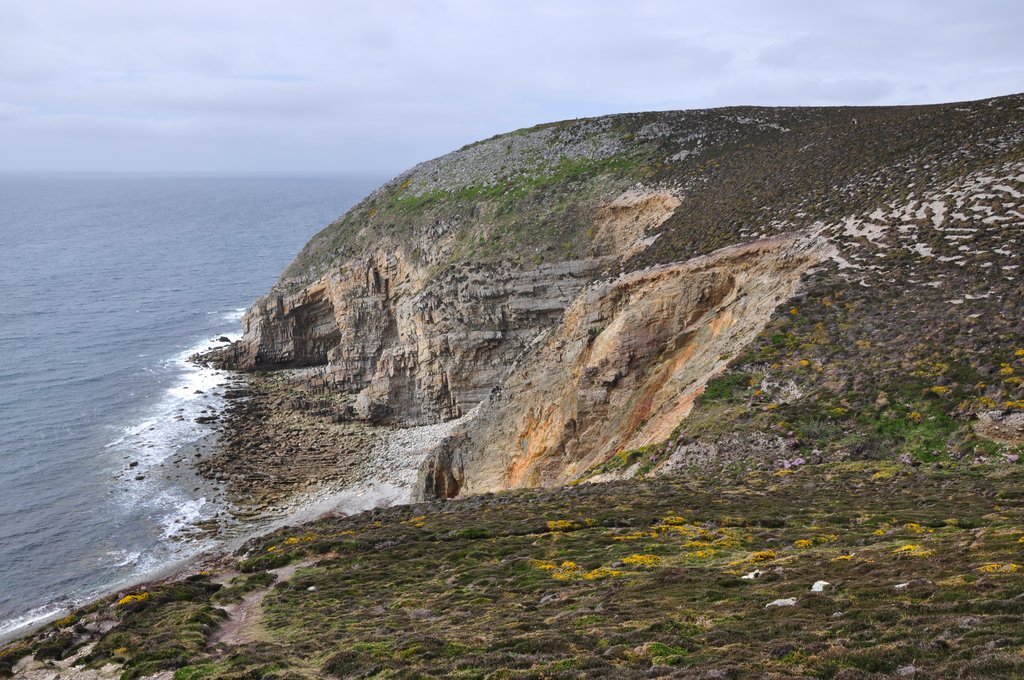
625 460
627 579
518 187
160 631
840 378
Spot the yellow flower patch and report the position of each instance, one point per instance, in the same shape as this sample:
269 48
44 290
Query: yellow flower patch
803 543
730 539
635 536
562 525
685 530
913 550
569 570
642 560
762 556
997 568
565 571
128 599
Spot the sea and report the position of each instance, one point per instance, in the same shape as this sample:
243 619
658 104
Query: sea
107 285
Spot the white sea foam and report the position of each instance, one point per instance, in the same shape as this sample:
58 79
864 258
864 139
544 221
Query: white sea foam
31 617
234 314
122 558
185 512
162 430
170 422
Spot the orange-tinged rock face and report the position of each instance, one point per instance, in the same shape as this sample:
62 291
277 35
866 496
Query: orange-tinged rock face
623 222
536 440
627 362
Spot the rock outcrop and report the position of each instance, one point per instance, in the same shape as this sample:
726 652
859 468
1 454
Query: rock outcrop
409 348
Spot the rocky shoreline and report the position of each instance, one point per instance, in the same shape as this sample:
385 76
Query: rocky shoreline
269 451
281 450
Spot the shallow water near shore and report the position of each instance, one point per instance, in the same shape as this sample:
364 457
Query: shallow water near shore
110 284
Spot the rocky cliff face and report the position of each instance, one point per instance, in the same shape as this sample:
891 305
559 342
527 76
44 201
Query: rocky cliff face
574 287
412 345
623 366
409 348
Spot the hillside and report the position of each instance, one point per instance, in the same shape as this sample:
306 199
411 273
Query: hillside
682 577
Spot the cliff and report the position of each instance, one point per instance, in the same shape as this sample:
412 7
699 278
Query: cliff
575 285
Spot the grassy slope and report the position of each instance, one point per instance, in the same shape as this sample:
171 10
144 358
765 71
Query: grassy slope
638 579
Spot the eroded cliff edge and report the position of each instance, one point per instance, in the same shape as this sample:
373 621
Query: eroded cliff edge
568 290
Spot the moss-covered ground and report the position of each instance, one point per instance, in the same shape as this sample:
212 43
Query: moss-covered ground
848 375
626 579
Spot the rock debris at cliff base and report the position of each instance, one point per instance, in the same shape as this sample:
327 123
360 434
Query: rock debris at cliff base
279 448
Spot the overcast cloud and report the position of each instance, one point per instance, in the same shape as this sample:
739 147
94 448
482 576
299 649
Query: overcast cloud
312 86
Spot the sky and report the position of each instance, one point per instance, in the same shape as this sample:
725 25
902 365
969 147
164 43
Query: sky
322 86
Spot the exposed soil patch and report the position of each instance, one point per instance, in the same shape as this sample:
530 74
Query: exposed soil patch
242 624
